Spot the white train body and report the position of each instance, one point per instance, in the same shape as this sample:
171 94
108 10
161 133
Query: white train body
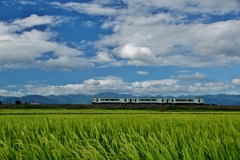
110 100
147 101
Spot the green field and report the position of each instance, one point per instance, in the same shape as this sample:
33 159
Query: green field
118 134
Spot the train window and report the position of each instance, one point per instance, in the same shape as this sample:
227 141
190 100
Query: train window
135 100
162 100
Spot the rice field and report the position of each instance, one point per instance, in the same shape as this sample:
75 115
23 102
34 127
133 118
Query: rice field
119 135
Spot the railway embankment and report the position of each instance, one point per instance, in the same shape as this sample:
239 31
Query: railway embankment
135 107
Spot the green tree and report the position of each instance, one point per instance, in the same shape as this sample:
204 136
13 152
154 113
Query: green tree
18 102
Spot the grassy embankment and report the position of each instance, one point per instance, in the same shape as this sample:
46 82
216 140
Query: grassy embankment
161 108
120 134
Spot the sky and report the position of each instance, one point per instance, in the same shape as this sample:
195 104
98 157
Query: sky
139 47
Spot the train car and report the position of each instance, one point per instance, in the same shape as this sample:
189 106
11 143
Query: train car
185 101
148 100
110 100
159 101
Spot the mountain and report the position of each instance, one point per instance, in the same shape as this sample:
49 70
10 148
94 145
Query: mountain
220 99
62 99
71 99
2 98
29 99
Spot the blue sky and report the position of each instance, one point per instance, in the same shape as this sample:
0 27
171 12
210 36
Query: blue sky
125 46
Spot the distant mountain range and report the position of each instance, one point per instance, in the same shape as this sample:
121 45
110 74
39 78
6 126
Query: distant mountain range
220 99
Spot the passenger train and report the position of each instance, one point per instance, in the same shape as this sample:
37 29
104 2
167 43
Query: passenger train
160 101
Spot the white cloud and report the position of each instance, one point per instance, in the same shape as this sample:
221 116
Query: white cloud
116 84
88 24
91 86
10 93
236 81
192 77
90 82
137 55
32 48
88 8
184 45
171 38
233 93
144 33
195 6
142 72
35 20
165 82
12 86
103 57
27 2
63 63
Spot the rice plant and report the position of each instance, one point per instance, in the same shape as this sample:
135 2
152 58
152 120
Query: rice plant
120 136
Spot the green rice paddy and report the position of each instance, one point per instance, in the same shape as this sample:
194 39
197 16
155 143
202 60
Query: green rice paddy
118 134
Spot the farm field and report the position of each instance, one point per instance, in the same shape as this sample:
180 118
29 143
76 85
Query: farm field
118 134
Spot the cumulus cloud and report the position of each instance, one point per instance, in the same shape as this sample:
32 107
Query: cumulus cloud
88 8
142 72
116 84
63 63
137 55
91 86
104 59
92 82
35 20
187 45
27 2
171 38
143 33
236 81
12 86
156 33
10 93
22 46
193 77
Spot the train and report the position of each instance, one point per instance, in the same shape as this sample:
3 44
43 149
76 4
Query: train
157 101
